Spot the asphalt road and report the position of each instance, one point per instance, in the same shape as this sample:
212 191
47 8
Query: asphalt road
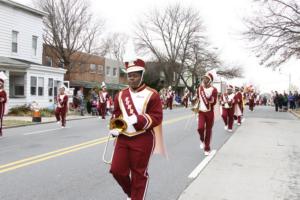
45 162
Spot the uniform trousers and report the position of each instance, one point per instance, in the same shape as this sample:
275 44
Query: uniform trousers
205 124
2 108
169 103
60 114
102 110
130 163
228 117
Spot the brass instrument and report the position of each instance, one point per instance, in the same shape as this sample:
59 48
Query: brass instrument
196 106
118 124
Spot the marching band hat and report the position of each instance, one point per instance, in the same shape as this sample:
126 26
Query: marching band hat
229 87
137 65
103 85
209 76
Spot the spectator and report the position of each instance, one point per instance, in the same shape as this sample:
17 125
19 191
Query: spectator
291 100
80 98
276 101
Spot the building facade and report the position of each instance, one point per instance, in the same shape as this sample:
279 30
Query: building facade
21 39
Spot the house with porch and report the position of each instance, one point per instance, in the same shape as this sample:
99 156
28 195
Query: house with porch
27 80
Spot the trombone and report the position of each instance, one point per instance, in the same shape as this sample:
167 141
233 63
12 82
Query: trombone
120 125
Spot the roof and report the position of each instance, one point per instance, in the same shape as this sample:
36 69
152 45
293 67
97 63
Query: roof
7 62
23 7
92 84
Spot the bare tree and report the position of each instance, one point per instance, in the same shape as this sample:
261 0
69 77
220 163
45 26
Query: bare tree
116 46
275 31
168 35
69 29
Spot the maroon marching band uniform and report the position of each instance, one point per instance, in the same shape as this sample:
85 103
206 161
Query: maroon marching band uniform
3 98
170 96
227 102
62 108
207 100
131 156
238 106
103 98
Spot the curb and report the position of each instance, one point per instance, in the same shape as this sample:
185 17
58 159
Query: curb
37 123
295 114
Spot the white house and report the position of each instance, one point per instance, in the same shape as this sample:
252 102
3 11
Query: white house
21 30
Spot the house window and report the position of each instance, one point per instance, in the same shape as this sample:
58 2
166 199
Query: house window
34 45
107 70
50 87
33 85
14 44
114 71
41 86
56 84
18 83
48 61
100 69
93 68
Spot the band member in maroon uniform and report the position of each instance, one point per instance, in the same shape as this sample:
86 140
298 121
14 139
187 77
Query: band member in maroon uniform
170 97
207 98
227 102
3 100
62 107
251 96
103 99
141 108
238 105
185 98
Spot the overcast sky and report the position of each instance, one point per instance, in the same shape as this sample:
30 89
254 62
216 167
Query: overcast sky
223 20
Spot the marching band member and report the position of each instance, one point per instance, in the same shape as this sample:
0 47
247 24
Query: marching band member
140 107
62 107
3 100
170 97
207 98
227 102
238 105
103 100
185 98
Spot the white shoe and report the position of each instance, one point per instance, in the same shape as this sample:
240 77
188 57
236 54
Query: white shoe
63 127
239 124
128 198
206 153
225 128
58 122
230 130
201 145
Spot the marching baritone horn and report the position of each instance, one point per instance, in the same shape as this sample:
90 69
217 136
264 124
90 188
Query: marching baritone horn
118 124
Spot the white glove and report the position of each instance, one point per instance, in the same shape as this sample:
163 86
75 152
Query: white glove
132 119
114 132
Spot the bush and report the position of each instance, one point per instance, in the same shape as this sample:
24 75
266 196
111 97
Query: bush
23 110
46 112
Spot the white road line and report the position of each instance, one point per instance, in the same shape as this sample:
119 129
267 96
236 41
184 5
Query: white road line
201 166
44 131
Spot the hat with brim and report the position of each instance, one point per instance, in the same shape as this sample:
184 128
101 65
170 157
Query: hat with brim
135 66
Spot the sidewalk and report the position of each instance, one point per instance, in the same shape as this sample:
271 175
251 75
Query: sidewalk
27 119
261 161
